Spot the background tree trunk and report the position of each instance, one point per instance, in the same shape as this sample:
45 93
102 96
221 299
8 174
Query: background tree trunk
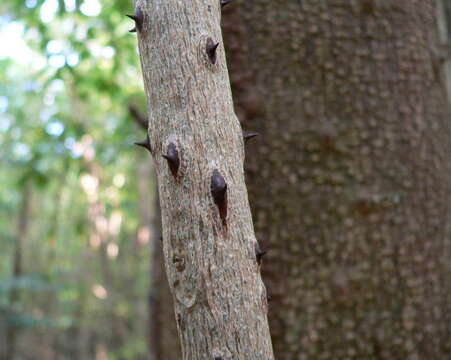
163 339
350 180
12 331
208 238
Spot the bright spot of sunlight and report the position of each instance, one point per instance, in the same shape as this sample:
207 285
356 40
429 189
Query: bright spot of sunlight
31 3
13 45
5 123
89 182
54 128
143 235
72 59
112 250
119 180
46 114
57 61
55 46
48 10
101 224
22 151
3 104
108 52
70 5
114 226
99 291
91 7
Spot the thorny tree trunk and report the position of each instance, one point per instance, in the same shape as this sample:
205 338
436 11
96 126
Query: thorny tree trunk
350 180
208 238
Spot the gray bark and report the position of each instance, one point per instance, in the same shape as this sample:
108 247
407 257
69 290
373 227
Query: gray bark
350 180
209 243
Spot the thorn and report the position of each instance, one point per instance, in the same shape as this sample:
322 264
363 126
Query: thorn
172 156
259 253
224 2
248 136
176 259
133 30
138 18
211 50
145 143
219 193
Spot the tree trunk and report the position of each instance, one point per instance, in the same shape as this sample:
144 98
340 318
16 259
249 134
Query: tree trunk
350 181
208 238
12 332
162 328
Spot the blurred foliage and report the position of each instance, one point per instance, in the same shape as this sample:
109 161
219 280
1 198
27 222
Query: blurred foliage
68 70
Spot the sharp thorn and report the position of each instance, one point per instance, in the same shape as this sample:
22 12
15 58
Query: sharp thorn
211 50
219 193
224 2
249 136
259 253
137 18
172 156
145 143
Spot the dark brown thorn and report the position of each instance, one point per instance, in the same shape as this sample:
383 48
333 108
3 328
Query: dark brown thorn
224 2
133 30
248 136
259 253
145 143
219 193
211 50
172 156
138 18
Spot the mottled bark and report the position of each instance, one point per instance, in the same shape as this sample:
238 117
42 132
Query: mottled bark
350 180
208 237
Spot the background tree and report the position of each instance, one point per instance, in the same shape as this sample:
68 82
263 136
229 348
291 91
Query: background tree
350 180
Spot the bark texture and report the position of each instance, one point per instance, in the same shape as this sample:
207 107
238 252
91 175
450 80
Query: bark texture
350 180
208 237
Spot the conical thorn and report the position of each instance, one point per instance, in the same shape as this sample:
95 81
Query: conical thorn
172 156
138 18
145 143
224 2
249 136
219 193
211 50
259 253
